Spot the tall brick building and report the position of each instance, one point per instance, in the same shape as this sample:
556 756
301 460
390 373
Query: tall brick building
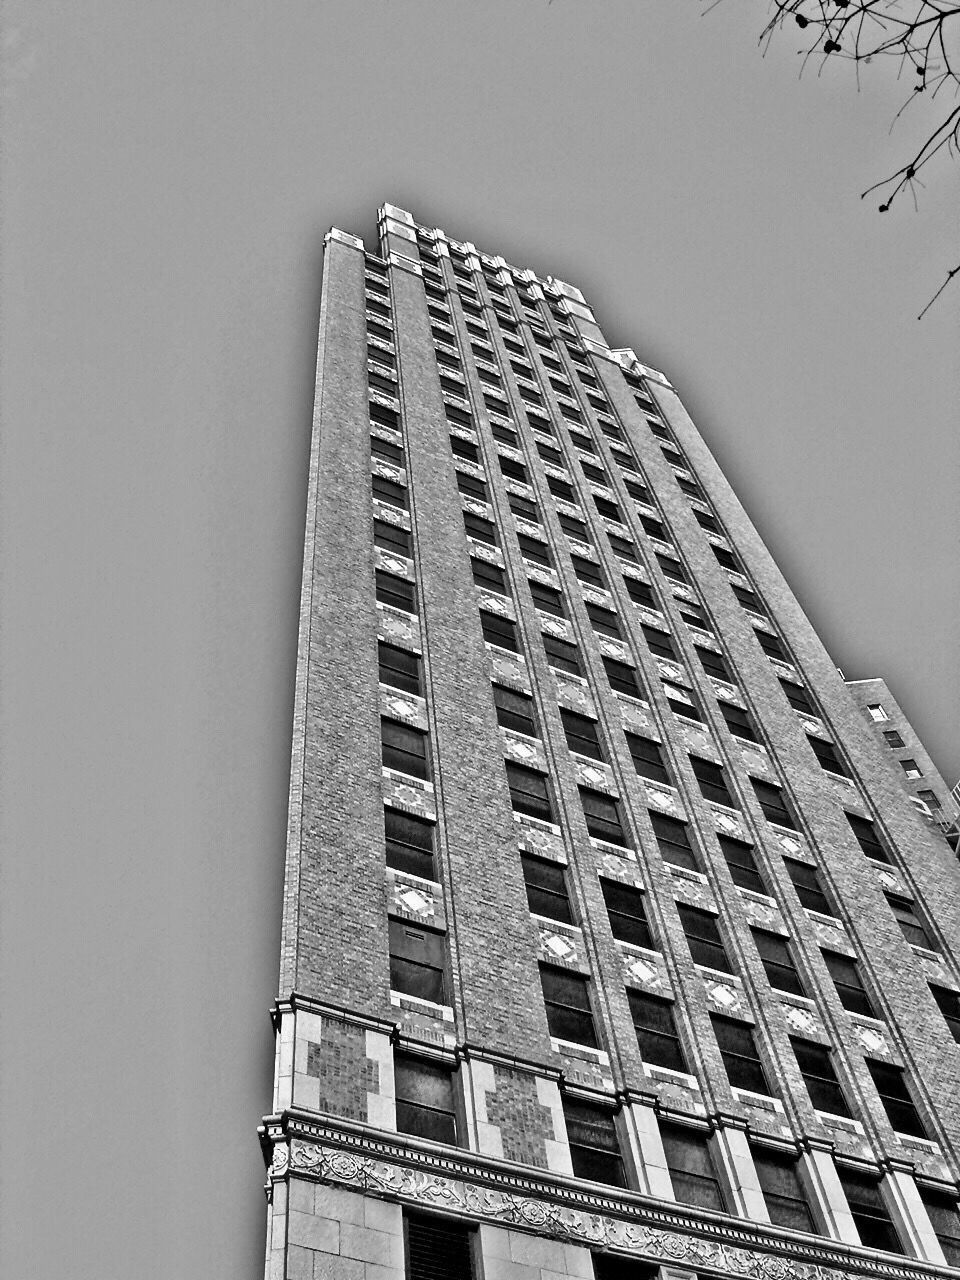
611 946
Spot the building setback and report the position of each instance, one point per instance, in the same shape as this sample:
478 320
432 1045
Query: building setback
611 946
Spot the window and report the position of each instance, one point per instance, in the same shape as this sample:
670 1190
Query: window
479 528
547 598
546 888
640 592
808 887
742 864
826 753
404 748
749 599
681 700
387 450
868 1210
659 642
515 711
503 433
488 575
597 475
654 528
384 417
603 816
782 1189
454 413
549 454
694 616
673 840
656 427
409 843
846 978
561 489
639 492
648 759
893 739
819 1077
609 510
773 803
398 667
513 469
538 423
942 1210
739 1054
573 527
738 721
798 697
727 559
464 449
628 918
394 495
581 441
948 1003
588 571
499 631
867 838
400 593
472 486
562 656
713 664
877 712
778 962
911 925
706 520
911 768
534 550
594 1149
603 621
567 1002
713 784
671 568
417 961
673 456
656 1031
622 677
529 792
391 538
625 459
622 548
702 931
424 1098
691 1167
582 734
690 488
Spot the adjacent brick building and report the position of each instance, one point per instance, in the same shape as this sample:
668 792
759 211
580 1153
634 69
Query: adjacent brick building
611 946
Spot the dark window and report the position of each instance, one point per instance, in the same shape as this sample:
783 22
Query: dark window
560 489
625 459
808 887
640 592
622 677
610 429
510 467
394 495
379 331
562 656
479 528
911 925
846 978
398 592
713 663
588 571
798 697
546 888
673 840
826 753
581 441
713 784
391 538
385 417
453 386
538 423
424 1099
659 642
778 962
603 621
945 1220
582 734
567 1002
911 768
773 803
573 527
743 867
621 547
495 404
515 710
603 816
867 838
671 568
739 1054
387 450
702 932
690 488
738 721
547 598
681 700
656 427
696 617
503 433
534 550
656 1031
409 843
673 456
948 1003
594 1149
417 961
404 748
691 1167
489 575
472 486
749 599
895 1096
819 1077
549 454
608 509
639 492
706 521
647 758
398 667
771 645
377 308
654 528
727 559
893 738
782 1189
499 631
464 449
628 919
596 474
454 413
571 414
529 792
868 1210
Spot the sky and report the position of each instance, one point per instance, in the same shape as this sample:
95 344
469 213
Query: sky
168 174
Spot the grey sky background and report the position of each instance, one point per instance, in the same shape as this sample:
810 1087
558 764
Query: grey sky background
168 174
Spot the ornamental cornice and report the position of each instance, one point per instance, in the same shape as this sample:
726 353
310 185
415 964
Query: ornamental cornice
483 1189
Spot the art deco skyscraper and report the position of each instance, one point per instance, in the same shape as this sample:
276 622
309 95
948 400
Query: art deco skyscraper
611 946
